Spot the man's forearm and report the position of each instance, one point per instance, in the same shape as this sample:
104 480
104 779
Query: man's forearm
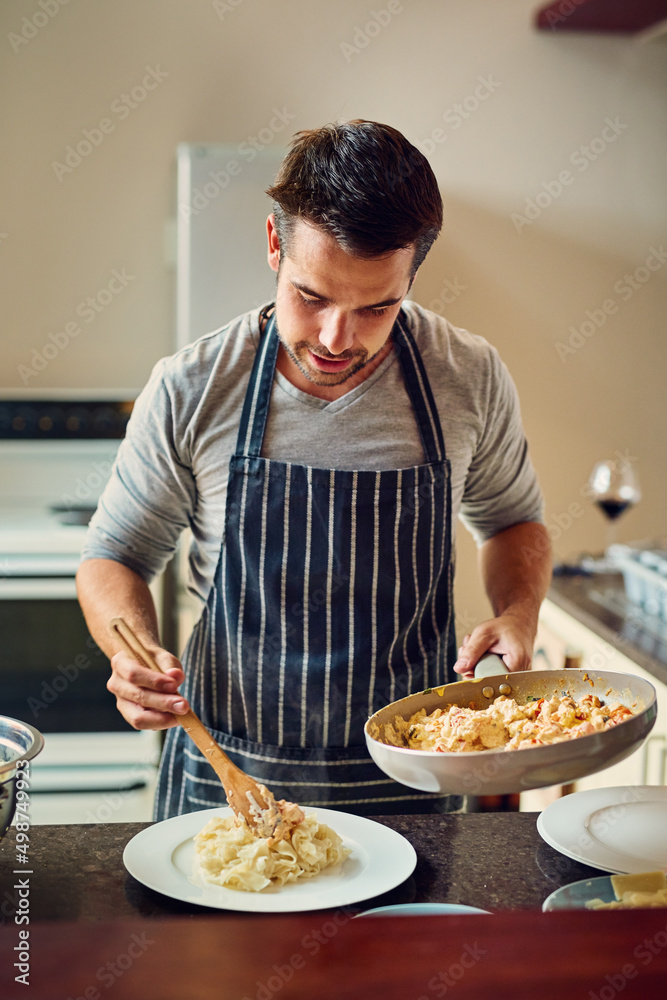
516 569
106 590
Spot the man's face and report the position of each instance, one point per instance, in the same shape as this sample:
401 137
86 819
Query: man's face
334 312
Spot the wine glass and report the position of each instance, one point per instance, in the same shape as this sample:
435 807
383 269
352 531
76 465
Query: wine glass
613 487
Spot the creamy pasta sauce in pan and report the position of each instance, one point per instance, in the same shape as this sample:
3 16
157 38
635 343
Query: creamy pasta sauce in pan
506 725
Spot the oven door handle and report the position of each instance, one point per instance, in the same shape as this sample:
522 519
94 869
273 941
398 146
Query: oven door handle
37 588
94 789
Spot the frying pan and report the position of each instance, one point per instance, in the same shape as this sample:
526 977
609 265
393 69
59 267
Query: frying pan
500 772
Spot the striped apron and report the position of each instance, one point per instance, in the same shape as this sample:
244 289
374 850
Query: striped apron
332 596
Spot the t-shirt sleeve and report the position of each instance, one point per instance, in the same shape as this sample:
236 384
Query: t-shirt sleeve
150 496
501 486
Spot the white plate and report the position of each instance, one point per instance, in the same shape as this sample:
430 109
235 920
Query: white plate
618 830
577 894
161 857
420 910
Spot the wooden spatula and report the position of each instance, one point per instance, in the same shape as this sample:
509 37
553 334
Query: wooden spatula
247 798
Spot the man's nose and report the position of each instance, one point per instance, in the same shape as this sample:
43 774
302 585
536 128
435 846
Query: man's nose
336 334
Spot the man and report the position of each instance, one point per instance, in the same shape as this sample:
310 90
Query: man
320 449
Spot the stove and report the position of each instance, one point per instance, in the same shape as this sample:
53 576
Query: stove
56 455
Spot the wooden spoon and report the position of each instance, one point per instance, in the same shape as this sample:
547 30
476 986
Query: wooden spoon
247 798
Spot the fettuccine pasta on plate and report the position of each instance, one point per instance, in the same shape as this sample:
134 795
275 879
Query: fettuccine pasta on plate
229 854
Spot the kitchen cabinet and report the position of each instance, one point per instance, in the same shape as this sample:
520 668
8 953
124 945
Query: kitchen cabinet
587 622
645 766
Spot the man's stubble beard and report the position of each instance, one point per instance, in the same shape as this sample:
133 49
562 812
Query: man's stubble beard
325 378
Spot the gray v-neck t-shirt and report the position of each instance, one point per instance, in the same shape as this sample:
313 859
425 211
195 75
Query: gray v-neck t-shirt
172 467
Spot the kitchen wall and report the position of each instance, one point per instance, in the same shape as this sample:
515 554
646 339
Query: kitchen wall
550 151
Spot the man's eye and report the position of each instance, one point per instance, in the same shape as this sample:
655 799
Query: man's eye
315 303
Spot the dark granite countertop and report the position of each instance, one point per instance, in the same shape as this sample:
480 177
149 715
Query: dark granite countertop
495 861
599 603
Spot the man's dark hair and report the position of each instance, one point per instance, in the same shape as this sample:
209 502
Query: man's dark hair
364 184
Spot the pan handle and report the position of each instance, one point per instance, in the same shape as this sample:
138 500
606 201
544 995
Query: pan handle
490 664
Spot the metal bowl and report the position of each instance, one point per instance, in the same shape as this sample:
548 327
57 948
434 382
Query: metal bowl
500 772
18 741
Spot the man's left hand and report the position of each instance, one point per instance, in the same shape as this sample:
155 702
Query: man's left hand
516 570
510 636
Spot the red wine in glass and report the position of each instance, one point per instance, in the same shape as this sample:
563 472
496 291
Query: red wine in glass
614 489
613 508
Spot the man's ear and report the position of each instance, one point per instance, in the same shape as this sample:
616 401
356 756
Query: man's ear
274 243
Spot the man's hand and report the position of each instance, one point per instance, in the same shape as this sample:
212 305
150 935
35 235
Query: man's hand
516 570
146 699
508 636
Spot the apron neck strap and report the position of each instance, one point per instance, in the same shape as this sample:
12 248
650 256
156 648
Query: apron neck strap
258 395
419 390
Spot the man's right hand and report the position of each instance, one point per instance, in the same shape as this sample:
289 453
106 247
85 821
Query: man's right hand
145 698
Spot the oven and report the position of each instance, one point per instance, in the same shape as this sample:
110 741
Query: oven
56 454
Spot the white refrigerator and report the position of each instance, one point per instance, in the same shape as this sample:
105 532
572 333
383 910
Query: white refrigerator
221 210
221 265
